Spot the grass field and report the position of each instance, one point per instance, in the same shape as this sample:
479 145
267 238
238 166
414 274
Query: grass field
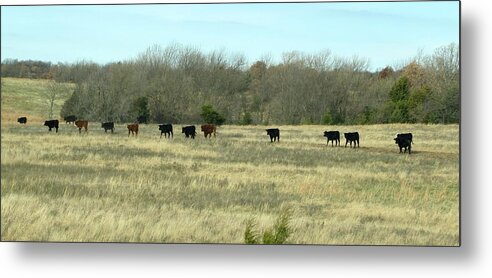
111 187
24 97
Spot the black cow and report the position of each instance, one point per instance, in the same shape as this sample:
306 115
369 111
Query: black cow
69 119
52 124
274 134
167 129
108 126
189 131
404 141
22 120
332 136
351 137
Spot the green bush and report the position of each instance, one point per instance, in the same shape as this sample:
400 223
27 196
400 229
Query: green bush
141 107
250 236
326 118
247 119
278 234
210 116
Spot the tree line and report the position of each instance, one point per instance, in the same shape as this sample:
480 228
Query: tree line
177 84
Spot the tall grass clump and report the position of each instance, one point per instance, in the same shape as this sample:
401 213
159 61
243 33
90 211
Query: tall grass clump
278 234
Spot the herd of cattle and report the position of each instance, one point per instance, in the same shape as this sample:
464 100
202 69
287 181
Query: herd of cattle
403 140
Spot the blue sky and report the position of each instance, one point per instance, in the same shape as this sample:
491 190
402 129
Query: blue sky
386 33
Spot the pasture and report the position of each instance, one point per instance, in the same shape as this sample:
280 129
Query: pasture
25 97
114 188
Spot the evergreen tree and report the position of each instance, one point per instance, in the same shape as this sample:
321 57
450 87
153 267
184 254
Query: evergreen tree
210 116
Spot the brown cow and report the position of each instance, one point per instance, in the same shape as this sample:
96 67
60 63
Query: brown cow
133 128
81 124
208 130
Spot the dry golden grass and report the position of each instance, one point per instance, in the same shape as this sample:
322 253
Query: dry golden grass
25 97
111 187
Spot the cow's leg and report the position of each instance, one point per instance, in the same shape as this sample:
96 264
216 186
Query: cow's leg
112 130
346 142
161 135
358 143
410 149
128 133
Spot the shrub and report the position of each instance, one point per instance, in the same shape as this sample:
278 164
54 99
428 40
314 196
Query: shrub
210 116
278 234
141 107
250 236
247 119
326 118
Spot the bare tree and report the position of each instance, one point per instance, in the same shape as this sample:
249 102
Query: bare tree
53 92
